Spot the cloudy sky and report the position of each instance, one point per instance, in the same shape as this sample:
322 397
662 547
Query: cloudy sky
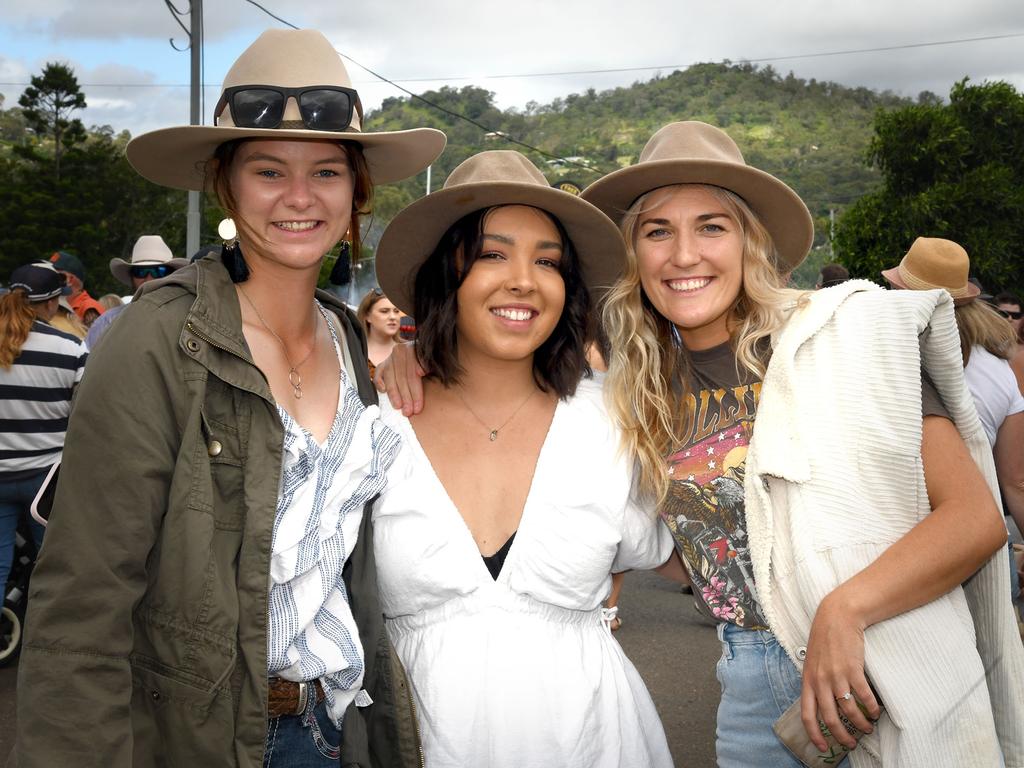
135 80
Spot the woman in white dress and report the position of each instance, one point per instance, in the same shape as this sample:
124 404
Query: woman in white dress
509 505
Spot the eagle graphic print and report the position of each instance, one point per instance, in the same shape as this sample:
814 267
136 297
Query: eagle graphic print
705 506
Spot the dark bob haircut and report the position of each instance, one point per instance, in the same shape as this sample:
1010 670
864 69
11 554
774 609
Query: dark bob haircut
558 364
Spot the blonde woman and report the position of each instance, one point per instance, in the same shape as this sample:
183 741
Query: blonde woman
826 524
381 321
207 595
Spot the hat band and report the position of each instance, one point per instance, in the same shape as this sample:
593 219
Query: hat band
918 284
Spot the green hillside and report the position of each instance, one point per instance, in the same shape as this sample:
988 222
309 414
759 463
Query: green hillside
814 135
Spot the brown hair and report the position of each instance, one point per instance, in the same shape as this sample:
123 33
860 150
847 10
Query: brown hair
366 305
16 318
218 169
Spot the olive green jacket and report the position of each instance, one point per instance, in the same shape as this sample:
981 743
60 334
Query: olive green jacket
146 633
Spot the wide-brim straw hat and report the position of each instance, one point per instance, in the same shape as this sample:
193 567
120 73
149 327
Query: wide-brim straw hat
692 152
149 251
933 262
486 180
175 157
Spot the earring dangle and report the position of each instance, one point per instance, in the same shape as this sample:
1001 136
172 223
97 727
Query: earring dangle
341 272
231 252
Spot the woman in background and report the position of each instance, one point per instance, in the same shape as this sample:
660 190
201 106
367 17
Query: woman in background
382 322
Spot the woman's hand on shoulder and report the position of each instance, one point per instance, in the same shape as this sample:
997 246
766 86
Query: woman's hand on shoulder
401 377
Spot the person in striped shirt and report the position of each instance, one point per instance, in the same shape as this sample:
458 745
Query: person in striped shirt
39 368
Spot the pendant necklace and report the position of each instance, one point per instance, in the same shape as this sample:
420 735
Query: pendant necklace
294 377
493 432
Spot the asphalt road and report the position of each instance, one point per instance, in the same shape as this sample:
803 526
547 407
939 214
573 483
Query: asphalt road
673 647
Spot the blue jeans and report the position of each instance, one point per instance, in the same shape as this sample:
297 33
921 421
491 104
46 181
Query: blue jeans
759 683
15 501
309 740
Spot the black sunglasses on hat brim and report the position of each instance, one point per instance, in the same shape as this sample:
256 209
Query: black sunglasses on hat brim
321 107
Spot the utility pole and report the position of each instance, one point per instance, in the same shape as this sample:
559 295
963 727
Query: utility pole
195 118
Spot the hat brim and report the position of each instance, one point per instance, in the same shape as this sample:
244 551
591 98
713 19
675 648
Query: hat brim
414 233
893 278
779 208
175 157
122 270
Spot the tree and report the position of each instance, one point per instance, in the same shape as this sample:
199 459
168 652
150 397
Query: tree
48 104
951 170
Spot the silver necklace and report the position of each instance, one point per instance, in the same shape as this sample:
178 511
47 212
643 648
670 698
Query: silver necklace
493 432
294 377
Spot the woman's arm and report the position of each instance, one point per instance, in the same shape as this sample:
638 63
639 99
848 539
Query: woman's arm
75 681
962 532
1009 456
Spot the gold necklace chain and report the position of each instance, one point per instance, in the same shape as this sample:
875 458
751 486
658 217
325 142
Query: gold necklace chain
494 431
294 377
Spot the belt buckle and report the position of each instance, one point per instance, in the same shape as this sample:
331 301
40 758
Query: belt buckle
303 698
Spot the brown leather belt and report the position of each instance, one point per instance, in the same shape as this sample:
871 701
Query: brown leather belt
290 698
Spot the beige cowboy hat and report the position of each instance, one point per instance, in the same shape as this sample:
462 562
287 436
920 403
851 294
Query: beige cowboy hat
282 58
485 180
692 152
933 262
149 251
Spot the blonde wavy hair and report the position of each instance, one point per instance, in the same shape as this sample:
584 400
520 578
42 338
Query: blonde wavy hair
16 318
648 365
980 324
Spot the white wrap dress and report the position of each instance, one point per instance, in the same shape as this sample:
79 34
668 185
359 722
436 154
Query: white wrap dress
521 671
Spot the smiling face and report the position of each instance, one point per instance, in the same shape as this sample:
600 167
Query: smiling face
689 249
294 200
384 319
513 296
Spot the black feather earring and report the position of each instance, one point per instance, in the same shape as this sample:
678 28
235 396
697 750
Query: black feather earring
341 272
231 252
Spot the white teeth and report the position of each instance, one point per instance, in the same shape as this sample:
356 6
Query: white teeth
513 314
689 285
296 226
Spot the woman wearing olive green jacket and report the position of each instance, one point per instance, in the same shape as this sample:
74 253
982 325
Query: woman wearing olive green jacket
207 594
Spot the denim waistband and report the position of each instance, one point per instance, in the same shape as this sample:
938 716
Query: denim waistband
737 635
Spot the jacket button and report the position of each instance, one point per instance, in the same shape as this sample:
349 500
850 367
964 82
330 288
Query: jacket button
192 345
214 448
155 695
801 652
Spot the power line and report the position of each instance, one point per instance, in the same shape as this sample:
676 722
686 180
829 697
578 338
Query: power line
563 73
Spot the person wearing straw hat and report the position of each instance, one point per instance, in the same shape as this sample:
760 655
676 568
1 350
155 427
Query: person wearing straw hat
987 343
151 260
508 505
792 427
212 598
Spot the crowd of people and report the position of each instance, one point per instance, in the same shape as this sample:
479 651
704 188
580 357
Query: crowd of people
254 559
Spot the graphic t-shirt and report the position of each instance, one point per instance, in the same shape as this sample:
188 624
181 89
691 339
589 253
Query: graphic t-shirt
705 509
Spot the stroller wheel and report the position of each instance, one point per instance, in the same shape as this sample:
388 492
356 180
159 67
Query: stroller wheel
10 635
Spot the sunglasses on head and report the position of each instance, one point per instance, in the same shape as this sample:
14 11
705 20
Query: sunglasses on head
150 270
321 107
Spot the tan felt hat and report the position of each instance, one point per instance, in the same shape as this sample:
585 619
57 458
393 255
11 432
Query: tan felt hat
487 180
693 152
933 262
149 250
174 157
